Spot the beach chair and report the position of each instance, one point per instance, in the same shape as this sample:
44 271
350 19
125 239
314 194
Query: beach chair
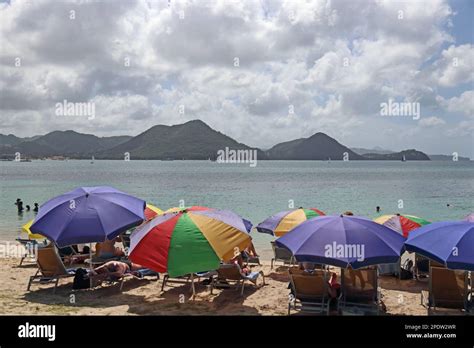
281 254
232 273
188 278
50 267
359 291
309 291
30 245
142 274
98 260
250 259
422 267
448 289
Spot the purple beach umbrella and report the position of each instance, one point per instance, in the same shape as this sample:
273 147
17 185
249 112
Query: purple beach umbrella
87 215
448 242
343 241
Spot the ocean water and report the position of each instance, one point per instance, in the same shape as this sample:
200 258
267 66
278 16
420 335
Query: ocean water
253 192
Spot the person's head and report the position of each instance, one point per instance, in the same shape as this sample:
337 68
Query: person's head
36 204
377 208
18 199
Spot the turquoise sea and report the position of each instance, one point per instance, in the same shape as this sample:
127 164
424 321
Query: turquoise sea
253 192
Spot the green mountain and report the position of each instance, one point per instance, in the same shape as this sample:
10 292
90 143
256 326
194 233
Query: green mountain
193 140
410 155
317 147
9 140
60 143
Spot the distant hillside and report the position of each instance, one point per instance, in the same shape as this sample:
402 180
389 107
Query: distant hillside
447 158
377 150
410 155
61 143
317 147
9 140
193 140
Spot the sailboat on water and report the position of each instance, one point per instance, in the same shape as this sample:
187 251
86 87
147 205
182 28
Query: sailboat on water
92 161
404 159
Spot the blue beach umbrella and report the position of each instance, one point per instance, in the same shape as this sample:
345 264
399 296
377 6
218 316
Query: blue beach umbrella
448 242
343 241
87 215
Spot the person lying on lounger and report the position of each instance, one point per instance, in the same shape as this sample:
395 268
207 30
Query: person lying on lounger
117 269
108 250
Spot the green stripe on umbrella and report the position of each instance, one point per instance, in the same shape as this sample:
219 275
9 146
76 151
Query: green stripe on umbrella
189 246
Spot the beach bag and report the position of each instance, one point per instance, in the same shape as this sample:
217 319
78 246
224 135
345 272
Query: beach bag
81 279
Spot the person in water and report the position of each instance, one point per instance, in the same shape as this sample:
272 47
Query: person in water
19 205
377 209
28 208
36 208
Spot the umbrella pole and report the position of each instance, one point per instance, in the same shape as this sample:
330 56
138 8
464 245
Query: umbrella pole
90 265
192 285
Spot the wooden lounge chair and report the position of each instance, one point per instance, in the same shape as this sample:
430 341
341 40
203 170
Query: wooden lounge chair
359 290
50 267
448 289
232 273
309 291
281 254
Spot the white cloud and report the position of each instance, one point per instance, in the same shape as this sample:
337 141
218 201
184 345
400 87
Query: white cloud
456 66
334 62
431 121
463 104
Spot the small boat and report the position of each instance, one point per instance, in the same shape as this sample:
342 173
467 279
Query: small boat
92 161
404 159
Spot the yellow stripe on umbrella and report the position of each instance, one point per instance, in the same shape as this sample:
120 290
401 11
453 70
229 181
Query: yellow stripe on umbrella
26 229
151 212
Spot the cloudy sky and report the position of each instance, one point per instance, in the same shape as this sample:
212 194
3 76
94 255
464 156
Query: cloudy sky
260 71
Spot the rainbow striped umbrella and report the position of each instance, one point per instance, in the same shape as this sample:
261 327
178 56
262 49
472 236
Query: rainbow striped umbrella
247 223
402 224
188 241
279 224
151 212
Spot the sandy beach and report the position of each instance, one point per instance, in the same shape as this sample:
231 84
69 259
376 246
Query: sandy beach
144 297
